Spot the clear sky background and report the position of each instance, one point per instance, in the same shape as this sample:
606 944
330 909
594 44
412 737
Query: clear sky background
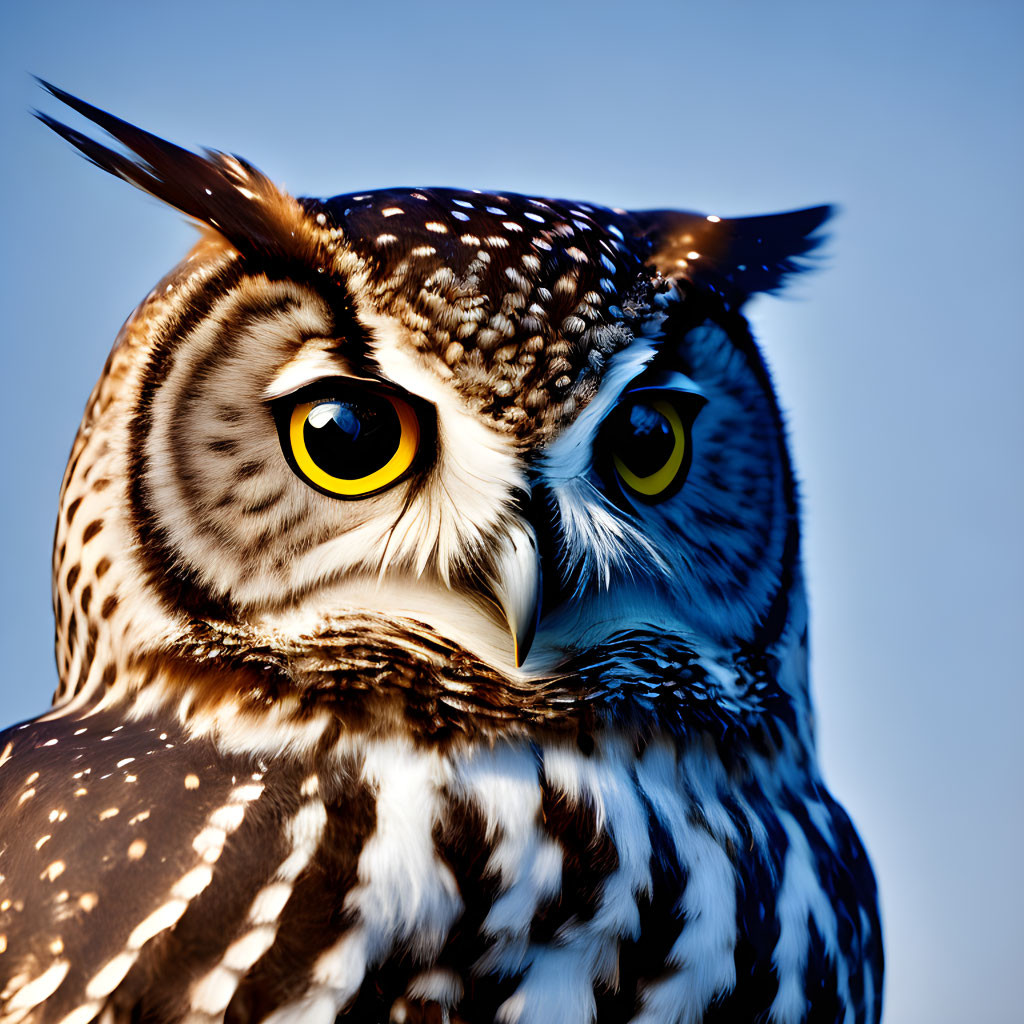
900 363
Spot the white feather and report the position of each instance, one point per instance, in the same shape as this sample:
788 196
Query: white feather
703 954
800 900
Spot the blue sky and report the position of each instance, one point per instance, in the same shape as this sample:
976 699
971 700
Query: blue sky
899 363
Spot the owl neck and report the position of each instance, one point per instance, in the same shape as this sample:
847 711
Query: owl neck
271 694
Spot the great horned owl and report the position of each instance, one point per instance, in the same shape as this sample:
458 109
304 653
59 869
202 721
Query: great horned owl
431 632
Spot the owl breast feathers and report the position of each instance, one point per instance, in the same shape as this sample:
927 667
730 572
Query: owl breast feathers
431 632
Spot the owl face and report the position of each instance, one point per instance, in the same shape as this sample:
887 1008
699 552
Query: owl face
518 427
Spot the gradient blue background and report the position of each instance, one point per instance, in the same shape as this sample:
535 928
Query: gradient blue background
901 365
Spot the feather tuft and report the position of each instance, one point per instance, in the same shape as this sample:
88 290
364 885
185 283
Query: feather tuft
221 191
737 257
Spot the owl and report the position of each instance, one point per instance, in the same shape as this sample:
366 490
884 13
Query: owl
431 632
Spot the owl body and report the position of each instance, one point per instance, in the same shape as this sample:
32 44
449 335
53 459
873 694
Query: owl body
431 632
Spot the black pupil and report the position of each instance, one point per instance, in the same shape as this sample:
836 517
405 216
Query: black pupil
352 437
643 439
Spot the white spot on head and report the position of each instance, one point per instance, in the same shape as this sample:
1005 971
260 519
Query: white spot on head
136 849
51 743
110 812
386 239
191 781
713 218
391 211
423 250
88 900
124 761
42 840
437 227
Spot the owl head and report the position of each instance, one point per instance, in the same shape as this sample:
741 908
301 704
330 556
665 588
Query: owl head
492 455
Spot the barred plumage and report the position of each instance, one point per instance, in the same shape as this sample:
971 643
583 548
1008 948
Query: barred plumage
500 714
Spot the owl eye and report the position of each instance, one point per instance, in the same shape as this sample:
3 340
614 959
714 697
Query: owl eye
648 439
350 442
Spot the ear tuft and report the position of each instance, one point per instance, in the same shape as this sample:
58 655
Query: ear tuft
221 191
736 256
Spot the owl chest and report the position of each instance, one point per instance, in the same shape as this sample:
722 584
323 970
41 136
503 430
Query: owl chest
514 881
534 882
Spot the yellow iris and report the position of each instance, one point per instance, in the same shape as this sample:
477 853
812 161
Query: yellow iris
356 487
664 476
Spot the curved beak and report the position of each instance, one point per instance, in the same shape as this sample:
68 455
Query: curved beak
516 585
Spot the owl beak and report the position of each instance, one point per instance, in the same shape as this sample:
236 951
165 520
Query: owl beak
516 585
